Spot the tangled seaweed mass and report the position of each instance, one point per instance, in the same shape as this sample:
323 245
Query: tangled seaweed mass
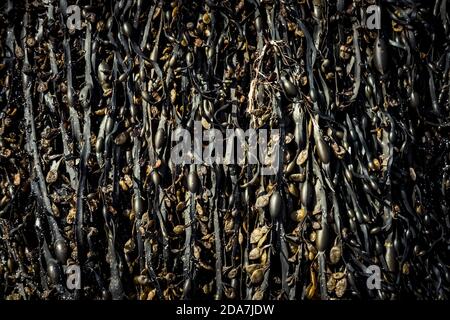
91 93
